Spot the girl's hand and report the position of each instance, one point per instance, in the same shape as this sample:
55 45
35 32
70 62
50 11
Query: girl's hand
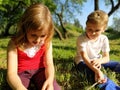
48 85
21 88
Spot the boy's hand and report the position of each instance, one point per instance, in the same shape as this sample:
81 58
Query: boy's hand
99 77
96 63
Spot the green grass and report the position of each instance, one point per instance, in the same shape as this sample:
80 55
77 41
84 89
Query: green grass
3 47
115 49
63 54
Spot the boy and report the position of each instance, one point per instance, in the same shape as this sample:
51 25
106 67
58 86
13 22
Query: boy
89 47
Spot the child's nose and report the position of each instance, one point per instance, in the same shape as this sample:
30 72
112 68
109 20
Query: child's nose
38 39
93 33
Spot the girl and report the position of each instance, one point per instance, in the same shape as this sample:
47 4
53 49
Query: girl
29 55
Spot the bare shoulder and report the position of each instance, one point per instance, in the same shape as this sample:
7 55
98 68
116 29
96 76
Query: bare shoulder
11 46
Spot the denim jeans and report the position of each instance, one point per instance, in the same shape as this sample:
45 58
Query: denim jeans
114 66
109 85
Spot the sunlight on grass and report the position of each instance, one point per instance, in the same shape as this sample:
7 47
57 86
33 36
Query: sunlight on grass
63 55
3 49
64 49
115 50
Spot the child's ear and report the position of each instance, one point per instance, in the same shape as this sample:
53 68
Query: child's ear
103 31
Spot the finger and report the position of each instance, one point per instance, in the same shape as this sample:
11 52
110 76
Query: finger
93 62
44 87
97 65
105 80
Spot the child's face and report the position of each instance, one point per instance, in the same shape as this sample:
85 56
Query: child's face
93 31
36 37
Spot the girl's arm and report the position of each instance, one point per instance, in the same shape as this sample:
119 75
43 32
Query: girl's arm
12 76
49 69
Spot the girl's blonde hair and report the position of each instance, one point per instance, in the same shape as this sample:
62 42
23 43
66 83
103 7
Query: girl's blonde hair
98 17
36 17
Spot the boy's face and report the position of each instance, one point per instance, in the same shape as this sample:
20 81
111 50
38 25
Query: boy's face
93 31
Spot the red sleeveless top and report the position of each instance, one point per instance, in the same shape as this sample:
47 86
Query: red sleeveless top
31 63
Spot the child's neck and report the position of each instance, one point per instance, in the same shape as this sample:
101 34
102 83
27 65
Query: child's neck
94 40
25 46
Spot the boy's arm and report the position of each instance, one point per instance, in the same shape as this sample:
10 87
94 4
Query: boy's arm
101 60
99 76
12 77
105 57
88 62
105 51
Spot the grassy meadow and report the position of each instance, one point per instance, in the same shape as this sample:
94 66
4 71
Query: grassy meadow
63 54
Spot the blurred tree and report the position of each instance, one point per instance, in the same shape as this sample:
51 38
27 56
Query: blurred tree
66 12
96 4
77 23
115 4
63 11
116 24
11 11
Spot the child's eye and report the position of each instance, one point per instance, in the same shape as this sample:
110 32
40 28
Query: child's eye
33 35
42 36
89 30
97 30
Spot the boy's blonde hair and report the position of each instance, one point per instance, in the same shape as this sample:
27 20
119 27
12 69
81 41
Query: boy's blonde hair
98 17
36 17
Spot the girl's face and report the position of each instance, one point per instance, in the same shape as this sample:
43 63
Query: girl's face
93 31
36 37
